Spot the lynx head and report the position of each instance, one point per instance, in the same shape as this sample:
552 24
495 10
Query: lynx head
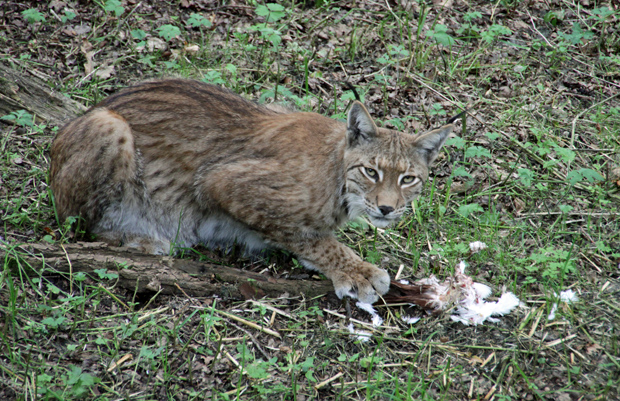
385 169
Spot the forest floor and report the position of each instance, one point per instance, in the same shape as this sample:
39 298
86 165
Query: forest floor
533 172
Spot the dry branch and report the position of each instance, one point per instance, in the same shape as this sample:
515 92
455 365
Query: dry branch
22 91
144 273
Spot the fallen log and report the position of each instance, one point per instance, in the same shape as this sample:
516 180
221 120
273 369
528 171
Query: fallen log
24 91
146 273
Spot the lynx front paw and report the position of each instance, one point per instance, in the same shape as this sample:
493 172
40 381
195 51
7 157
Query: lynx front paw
365 283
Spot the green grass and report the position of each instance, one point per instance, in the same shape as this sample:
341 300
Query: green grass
530 174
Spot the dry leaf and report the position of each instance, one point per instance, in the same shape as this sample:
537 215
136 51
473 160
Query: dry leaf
105 72
153 44
564 397
460 187
519 205
69 31
520 24
443 3
592 348
88 51
250 292
475 359
614 176
191 49
82 29
57 5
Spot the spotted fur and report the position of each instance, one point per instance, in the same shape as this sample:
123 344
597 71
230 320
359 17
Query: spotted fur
182 162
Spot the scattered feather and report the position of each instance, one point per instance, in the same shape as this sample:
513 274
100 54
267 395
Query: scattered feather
506 303
376 319
367 307
410 319
359 335
459 290
567 296
477 246
477 311
482 290
554 308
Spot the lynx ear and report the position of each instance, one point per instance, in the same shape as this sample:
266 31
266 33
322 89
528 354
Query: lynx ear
360 127
429 143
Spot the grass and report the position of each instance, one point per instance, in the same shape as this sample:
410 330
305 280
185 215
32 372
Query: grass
530 174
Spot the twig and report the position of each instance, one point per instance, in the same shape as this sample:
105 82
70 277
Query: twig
192 300
122 360
365 324
254 341
560 340
490 393
491 356
466 109
398 273
274 309
592 76
572 134
326 382
610 214
231 358
535 324
578 354
387 4
536 30
70 270
113 296
248 323
591 262
150 313
412 76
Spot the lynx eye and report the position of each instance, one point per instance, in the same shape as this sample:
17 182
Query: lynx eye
408 180
371 173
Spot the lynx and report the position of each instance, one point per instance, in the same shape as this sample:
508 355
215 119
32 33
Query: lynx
179 162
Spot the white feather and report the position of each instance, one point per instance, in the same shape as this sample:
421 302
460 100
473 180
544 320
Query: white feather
360 335
410 319
569 296
376 319
482 290
554 308
477 246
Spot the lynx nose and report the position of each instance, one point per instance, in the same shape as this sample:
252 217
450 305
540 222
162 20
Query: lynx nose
385 210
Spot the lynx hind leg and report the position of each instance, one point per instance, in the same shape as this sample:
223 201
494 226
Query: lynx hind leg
134 241
93 160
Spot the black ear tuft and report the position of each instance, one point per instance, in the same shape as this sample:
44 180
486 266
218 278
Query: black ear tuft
457 117
360 127
429 143
350 87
